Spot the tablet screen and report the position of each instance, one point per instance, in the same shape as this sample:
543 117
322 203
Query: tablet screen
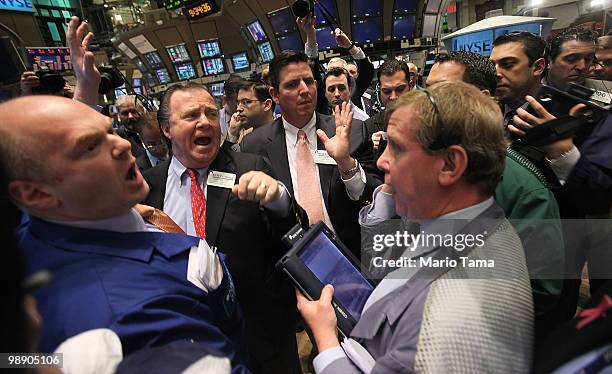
330 266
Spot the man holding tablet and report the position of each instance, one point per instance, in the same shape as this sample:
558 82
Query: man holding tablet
446 307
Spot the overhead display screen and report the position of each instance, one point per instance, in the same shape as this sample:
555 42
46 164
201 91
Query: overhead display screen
185 71
325 38
291 42
163 76
256 31
213 66
403 27
209 48
330 7
216 89
178 53
150 80
368 30
136 82
154 59
50 58
282 20
265 50
405 6
240 61
366 8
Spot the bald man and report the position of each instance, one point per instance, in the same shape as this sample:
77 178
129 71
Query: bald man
111 269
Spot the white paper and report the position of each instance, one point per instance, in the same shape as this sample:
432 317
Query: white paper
142 44
204 267
321 156
221 179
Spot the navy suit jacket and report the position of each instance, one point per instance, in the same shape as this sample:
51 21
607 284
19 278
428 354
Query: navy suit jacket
269 141
132 283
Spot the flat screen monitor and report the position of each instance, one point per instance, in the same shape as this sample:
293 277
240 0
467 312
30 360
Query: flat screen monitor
330 7
185 71
240 61
325 39
405 6
154 60
121 91
140 65
137 90
366 8
403 27
216 89
291 42
50 58
136 82
256 31
163 76
178 53
266 52
213 66
367 30
209 48
282 20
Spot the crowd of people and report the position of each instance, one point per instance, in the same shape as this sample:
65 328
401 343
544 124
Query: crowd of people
162 235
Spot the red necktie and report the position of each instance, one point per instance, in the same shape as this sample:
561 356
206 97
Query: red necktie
198 205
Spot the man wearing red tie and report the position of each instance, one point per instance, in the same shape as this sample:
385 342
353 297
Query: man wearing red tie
199 189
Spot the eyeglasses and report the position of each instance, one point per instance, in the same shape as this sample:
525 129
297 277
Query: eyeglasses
246 102
441 141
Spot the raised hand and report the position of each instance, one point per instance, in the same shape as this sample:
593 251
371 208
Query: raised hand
339 146
83 62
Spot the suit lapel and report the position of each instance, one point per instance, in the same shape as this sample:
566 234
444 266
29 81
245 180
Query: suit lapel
156 178
277 153
217 198
326 172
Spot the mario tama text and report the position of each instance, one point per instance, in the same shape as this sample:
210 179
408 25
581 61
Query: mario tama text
430 262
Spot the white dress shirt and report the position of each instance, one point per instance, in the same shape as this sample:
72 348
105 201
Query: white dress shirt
177 201
354 186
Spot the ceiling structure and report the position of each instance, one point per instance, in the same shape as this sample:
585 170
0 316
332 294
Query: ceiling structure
378 26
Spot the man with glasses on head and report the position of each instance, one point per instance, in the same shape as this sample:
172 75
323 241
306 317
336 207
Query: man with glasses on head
255 109
444 159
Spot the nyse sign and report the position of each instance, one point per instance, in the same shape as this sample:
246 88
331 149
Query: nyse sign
479 42
19 5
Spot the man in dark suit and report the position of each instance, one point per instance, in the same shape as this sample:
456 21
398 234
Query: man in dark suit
195 188
333 182
156 150
110 268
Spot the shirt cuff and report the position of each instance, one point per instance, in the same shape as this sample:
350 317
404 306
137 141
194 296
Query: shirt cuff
325 358
359 55
381 209
282 205
563 166
356 184
312 52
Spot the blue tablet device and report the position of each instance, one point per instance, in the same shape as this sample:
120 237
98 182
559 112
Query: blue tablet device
317 258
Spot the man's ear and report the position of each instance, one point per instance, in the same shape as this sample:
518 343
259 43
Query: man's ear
32 195
486 92
538 66
455 163
274 94
267 105
165 128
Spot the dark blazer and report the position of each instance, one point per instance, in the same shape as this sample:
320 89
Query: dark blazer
250 237
143 162
269 141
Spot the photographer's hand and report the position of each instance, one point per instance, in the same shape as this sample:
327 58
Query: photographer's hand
83 62
524 120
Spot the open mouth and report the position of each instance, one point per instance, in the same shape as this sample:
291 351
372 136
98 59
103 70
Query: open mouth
131 174
202 140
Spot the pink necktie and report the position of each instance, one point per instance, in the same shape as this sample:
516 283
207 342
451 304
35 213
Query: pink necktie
309 186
